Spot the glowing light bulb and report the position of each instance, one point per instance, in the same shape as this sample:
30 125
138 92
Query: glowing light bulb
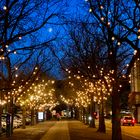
101 7
16 68
108 23
4 8
102 18
15 52
90 10
113 38
119 43
135 51
19 37
50 30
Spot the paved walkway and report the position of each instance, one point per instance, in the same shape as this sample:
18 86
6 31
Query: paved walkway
63 130
58 132
31 132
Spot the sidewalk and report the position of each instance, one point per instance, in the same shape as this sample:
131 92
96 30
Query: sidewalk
58 132
61 130
31 132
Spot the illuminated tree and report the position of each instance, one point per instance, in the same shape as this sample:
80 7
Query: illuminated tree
95 53
120 24
21 41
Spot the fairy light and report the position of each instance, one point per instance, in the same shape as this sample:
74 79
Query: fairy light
35 96
113 38
102 18
127 65
90 10
15 52
101 7
139 34
20 37
16 68
110 53
50 30
69 77
118 43
108 23
4 8
2 57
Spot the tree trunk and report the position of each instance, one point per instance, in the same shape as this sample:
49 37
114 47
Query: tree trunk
102 127
33 117
77 113
0 119
37 117
87 116
12 114
116 128
24 118
92 110
80 113
9 120
83 114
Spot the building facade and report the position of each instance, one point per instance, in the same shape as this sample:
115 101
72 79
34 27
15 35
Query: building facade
134 97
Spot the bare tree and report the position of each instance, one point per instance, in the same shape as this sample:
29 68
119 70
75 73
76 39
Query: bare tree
90 52
24 37
120 25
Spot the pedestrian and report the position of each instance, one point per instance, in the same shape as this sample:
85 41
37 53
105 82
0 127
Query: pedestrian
58 116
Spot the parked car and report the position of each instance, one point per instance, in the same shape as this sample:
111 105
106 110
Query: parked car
128 120
17 122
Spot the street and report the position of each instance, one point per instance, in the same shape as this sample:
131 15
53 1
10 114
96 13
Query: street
70 130
132 131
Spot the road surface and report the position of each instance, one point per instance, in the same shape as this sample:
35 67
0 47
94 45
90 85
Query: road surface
131 131
58 132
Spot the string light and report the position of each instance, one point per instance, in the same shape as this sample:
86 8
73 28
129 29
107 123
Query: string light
102 18
4 8
113 38
101 7
118 43
108 23
90 10
15 52
20 37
